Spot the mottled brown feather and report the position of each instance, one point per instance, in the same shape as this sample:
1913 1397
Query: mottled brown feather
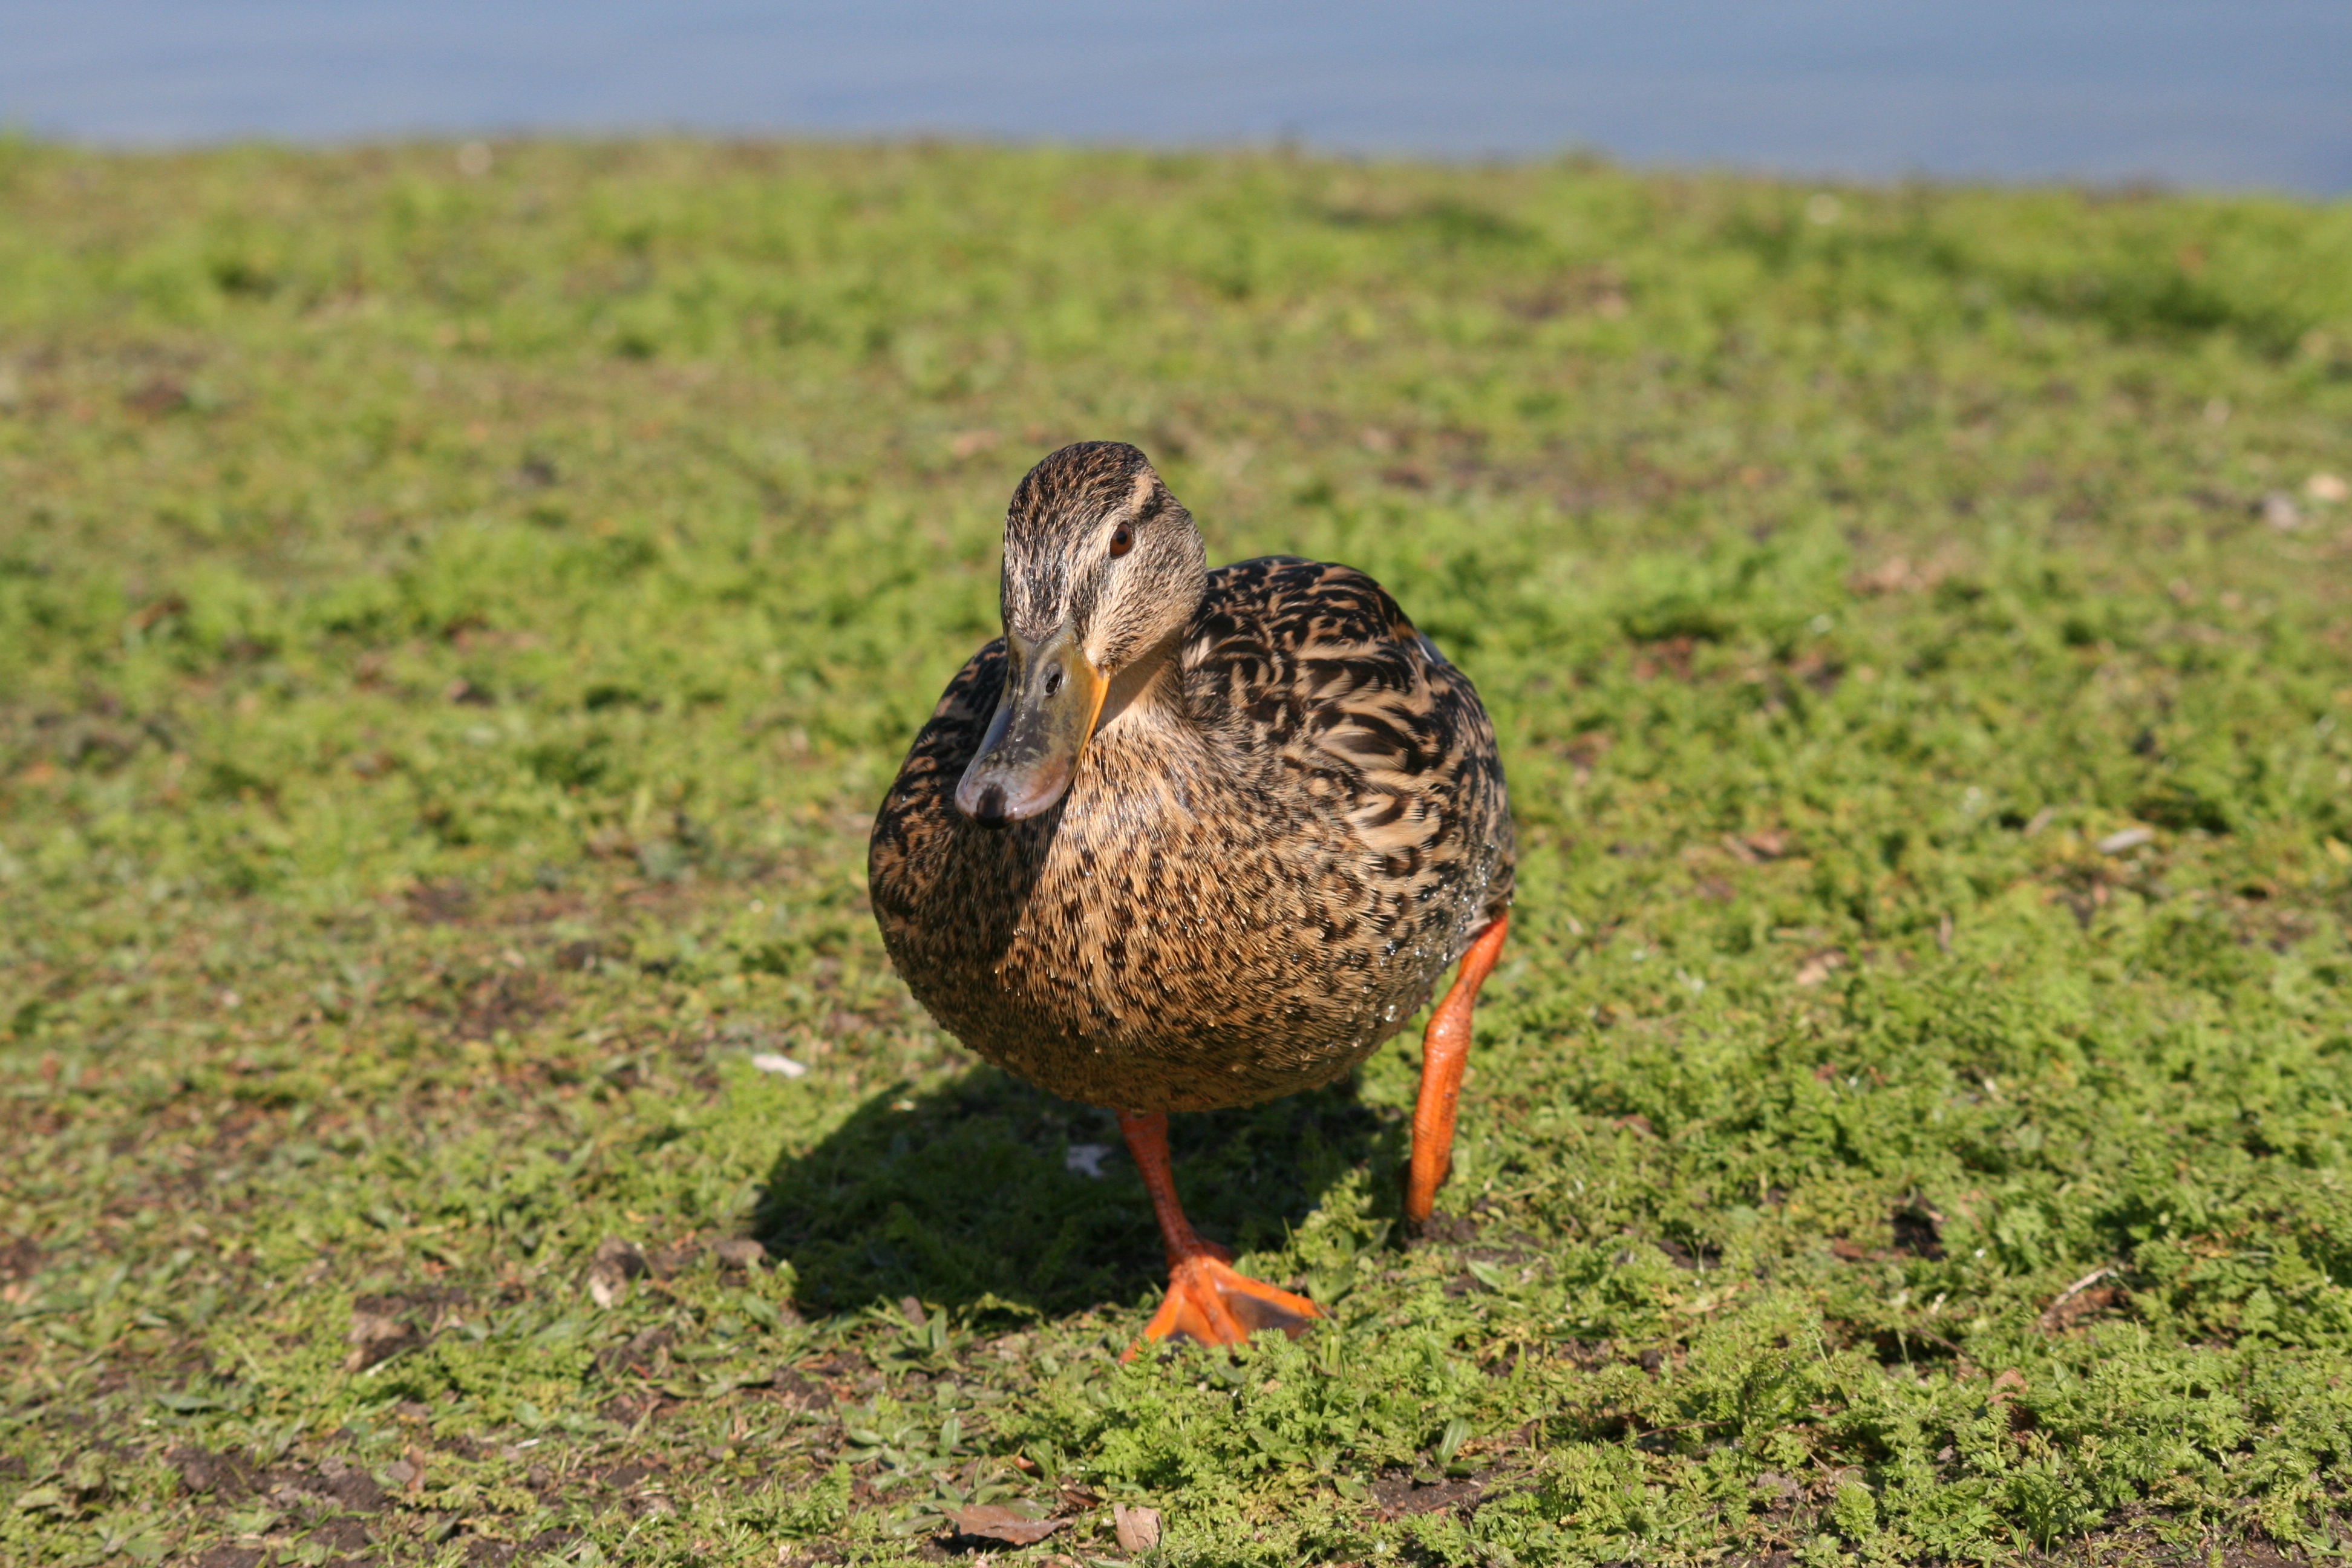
1251 882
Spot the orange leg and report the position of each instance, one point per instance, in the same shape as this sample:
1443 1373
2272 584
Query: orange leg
1445 1051
1207 1299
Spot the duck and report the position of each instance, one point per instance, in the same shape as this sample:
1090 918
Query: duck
1182 840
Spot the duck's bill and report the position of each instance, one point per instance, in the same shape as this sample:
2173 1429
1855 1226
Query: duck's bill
1053 695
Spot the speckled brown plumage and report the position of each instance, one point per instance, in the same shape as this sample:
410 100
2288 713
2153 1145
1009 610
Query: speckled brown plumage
1288 826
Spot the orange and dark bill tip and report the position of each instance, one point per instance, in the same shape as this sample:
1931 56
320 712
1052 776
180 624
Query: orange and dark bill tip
1053 695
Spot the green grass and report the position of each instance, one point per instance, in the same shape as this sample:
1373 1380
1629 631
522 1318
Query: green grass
453 633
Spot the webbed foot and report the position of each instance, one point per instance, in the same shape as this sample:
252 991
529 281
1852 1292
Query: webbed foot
1212 1302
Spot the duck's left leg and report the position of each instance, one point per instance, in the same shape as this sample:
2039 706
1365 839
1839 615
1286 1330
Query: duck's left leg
1445 1051
1207 1299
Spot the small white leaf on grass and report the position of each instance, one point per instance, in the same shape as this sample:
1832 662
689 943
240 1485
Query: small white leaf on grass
769 1061
1085 1159
2128 838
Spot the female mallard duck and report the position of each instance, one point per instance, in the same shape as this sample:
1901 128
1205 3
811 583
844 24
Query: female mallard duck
1184 838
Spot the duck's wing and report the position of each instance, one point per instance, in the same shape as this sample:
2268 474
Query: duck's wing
1313 669
922 801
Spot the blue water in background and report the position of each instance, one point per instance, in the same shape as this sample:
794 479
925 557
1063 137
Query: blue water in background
2182 92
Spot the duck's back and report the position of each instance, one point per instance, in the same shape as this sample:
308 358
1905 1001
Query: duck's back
1244 890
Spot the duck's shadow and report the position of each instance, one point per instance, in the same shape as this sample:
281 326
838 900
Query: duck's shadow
977 1194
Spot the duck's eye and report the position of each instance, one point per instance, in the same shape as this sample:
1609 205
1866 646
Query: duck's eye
1122 540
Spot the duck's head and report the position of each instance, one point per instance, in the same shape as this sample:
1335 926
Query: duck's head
1102 571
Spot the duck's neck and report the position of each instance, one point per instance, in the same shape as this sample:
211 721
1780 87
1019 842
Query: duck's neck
1147 689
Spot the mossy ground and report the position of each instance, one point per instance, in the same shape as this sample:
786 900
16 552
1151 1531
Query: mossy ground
453 630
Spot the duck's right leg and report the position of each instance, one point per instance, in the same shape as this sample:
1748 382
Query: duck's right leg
1207 1299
